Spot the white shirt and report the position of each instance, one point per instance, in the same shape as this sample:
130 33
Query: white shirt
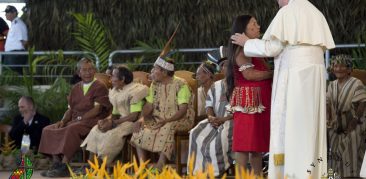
17 32
30 121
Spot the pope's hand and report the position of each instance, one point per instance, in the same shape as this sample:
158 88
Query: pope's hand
239 39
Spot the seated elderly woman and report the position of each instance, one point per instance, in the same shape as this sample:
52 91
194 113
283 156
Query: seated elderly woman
346 101
88 103
107 138
205 77
210 141
168 108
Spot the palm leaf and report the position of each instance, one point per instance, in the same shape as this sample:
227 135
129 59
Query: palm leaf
92 36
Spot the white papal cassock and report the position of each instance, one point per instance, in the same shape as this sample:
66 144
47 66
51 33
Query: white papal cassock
297 38
363 167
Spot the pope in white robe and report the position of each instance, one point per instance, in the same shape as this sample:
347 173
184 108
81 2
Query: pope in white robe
297 38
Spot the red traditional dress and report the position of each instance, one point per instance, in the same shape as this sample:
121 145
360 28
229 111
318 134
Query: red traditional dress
250 102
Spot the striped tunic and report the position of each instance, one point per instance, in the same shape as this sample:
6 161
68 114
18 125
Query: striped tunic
346 149
209 144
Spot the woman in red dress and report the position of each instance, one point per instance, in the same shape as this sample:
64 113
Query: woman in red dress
249 90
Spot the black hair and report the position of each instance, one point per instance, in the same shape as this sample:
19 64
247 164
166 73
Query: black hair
124 74
75 79
239 26
169 73
211 67
110 68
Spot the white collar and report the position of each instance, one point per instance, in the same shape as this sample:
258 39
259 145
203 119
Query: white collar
14 21
30 121
88 84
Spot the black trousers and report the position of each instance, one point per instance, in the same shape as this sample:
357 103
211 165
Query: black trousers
16 60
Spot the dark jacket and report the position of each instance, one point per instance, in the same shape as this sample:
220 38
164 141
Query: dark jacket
34 130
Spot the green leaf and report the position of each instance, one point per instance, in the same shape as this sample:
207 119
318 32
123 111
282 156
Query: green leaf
92 36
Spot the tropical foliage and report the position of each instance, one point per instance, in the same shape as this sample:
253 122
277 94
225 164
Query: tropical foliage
8 146
91 36
55 65
204 23
51 101
151 52
55 68
359 54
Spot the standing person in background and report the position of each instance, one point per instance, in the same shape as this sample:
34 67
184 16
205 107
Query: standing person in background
297 37
17 39
249 88
4 28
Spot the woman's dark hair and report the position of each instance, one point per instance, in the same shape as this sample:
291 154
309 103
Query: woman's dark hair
110 68
170 73
124 74
239 26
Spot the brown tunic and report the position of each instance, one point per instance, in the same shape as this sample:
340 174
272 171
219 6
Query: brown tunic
67 140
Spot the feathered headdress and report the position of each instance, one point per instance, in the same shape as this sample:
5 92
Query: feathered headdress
160 61
217 56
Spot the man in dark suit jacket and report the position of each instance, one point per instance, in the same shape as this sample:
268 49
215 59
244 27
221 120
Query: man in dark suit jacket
29 122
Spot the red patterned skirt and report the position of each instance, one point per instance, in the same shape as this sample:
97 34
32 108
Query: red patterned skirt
251 130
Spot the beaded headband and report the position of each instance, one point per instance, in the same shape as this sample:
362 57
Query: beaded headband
342 59
160 61
164 64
